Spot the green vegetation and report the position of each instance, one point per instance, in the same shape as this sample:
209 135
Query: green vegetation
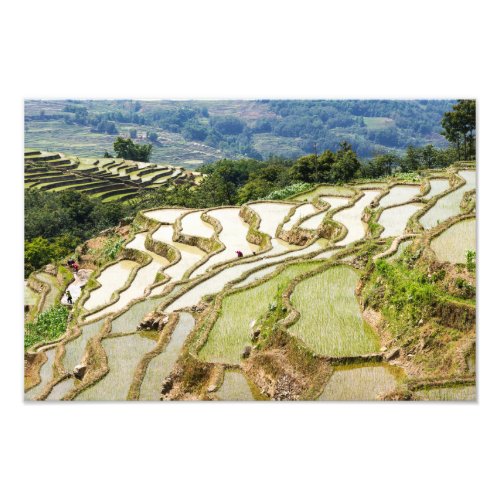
330 320
123 353
360 383
429 308
48 326
210 130
470 259
286 192
233 328
423 307
460 128
129 150
455 243
55 223
235 387
457 393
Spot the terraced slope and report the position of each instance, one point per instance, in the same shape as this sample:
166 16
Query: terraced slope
178 315
109 179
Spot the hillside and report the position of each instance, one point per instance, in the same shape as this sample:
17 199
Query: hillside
357 291
190 133
109 179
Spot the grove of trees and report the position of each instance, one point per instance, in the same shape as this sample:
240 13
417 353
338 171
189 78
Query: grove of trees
129 150
368 125
459 126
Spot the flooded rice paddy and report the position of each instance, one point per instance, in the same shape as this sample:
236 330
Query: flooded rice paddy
315 221
61 389
449 205
145 277
51 297
217 282
130 319
401 248
75 349
300 212
111 279
233 236
394 220
46 373
190 255
256 276
271 215
234 388
453 243
166 215
438 186
193 225
365 383
123 354
351 218
161 365
399 194
456 393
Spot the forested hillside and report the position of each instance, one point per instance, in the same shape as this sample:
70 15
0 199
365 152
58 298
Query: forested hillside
190 133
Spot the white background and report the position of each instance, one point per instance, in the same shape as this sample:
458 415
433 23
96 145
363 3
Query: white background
258 49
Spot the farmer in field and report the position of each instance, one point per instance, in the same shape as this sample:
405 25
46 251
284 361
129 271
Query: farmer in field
69 298
239 253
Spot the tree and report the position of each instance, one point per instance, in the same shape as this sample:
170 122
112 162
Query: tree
429 156
152 136
37 253
216 190
411 160
460 127
128 150
339 166
194 131
228 125
380 165
345 166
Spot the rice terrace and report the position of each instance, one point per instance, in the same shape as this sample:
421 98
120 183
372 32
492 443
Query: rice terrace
250 250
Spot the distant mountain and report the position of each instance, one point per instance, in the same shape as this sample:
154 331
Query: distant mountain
189 133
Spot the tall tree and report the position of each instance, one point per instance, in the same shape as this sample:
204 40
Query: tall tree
411 160
459 126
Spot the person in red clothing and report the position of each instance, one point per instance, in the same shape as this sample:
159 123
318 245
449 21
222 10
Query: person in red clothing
75 267
239 253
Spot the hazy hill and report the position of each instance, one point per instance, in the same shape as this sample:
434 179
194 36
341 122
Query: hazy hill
189 133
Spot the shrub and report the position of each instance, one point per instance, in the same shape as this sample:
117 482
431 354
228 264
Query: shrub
49 325
281 194
471 261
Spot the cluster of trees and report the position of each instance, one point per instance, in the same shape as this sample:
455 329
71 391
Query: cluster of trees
327 122
236 181
127 149
55 223
104 127
318 124
414 159
459 126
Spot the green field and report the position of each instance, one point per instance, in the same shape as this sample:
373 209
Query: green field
232 330
330 320
377 123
